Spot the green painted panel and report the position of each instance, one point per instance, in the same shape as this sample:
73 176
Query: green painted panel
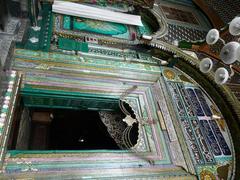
100 27
16 153
185 44
43 98
27 89
66 22
70 45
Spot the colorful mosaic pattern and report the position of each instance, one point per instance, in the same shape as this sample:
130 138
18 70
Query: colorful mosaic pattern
207 140
66 75
177 136
6 112
210 137
190 126
224 147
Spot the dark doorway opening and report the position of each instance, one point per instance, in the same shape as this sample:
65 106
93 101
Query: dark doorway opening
79 130
62 129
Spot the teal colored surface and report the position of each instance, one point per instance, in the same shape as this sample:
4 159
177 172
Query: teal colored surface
145 29
14 153
67 100
70 45
100 27
66 22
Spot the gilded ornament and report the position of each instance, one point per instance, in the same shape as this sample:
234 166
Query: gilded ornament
207 175
169 74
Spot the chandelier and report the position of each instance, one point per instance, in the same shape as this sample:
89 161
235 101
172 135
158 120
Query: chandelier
229 54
